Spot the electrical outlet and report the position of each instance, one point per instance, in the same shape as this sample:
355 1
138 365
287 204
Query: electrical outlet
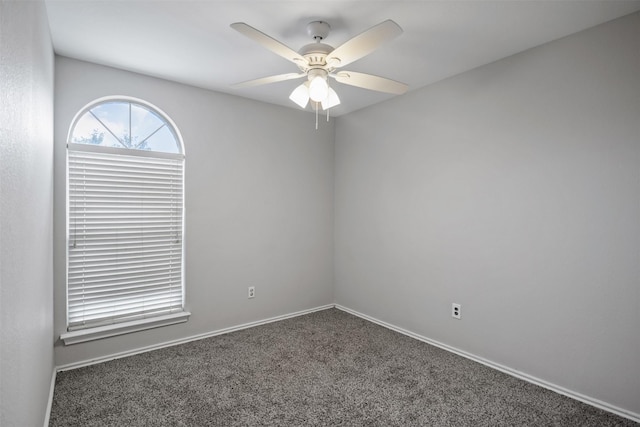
456 310
251 292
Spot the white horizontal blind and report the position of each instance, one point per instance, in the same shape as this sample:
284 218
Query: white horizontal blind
125 237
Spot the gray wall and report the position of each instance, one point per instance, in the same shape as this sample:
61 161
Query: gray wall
26 192
514 190
259 204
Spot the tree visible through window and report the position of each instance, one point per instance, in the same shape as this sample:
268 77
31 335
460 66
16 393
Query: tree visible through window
125 216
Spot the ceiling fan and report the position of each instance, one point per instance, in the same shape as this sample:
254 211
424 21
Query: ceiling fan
318 61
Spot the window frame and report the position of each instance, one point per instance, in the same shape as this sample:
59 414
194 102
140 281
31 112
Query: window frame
123 327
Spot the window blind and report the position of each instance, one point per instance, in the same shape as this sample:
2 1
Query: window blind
125 237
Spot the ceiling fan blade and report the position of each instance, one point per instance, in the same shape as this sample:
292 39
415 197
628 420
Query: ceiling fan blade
269 42
364 43
368 81
270 79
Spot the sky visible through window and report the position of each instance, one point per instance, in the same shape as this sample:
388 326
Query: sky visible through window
125 124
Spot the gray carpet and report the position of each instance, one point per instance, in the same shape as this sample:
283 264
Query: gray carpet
327 368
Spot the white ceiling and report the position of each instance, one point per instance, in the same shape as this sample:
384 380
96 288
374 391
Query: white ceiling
191 42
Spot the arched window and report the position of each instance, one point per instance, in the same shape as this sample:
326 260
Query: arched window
126 124
125 211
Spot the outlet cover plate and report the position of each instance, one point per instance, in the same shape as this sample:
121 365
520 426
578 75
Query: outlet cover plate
456 311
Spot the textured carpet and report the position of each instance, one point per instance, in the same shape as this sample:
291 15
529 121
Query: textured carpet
327 368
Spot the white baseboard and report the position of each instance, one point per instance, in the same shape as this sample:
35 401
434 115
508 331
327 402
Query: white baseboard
521 375
127 353
50 401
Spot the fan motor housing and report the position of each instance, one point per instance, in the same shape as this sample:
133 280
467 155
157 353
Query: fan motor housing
316 53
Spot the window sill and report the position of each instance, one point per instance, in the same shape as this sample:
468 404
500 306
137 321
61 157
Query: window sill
100 332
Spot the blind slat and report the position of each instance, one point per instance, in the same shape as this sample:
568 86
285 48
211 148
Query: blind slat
128 301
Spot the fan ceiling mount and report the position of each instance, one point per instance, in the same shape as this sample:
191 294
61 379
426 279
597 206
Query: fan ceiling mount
318 30
318 61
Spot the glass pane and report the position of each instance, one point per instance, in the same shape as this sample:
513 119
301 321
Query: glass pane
143 124
88 130
163 141
115 116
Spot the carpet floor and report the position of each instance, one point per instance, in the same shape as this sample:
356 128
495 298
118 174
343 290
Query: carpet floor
328 368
